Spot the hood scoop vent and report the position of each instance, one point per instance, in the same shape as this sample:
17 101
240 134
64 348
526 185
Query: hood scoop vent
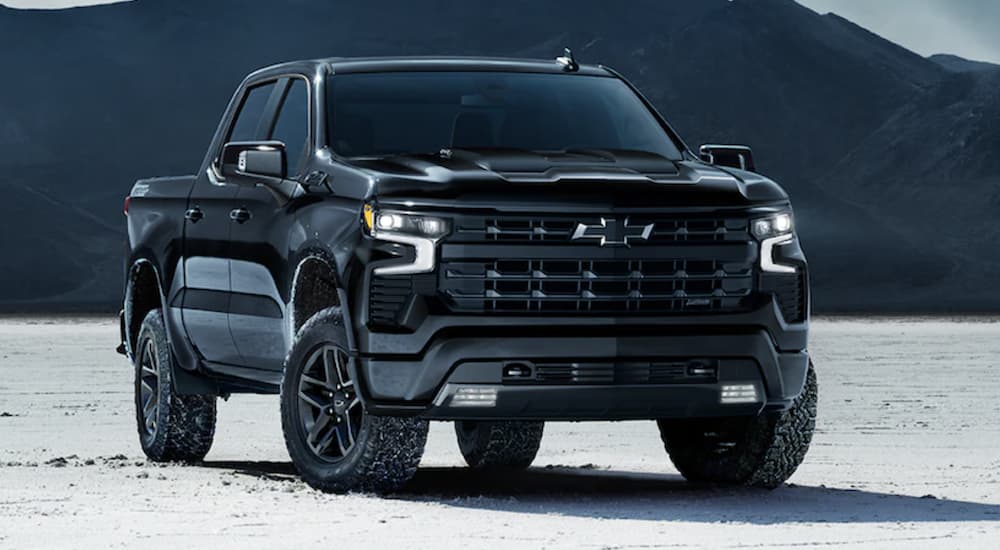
574 173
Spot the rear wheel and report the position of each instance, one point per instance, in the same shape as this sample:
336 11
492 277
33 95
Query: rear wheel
171 426
762 451
333 442
500 445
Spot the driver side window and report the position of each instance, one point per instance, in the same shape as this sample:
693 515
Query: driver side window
249 122
292 125
277 110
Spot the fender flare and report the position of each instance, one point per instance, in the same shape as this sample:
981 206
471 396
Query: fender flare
130 330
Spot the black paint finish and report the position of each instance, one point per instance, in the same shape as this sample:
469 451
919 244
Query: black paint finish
227 252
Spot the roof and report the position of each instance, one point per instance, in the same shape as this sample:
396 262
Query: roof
342 65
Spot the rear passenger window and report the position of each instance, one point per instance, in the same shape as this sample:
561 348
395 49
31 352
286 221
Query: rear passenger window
292 124
247 126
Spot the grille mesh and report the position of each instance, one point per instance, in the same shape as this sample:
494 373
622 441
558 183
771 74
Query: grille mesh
536 268
596 286
633 372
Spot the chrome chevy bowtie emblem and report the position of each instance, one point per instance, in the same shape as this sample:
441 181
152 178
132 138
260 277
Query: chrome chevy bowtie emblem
613 232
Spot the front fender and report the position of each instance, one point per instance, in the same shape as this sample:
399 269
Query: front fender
326 231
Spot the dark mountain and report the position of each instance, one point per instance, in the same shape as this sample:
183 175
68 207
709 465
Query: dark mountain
958 64
870 139
932 169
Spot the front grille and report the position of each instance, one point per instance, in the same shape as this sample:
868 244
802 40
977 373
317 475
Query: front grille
596 286
667 229
691 263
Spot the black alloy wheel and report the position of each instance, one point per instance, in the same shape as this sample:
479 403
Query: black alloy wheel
329 406
149 388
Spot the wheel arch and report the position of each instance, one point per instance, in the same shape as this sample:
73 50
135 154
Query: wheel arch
317 285
143 293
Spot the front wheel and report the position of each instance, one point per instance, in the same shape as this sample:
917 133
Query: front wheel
762 451
333 442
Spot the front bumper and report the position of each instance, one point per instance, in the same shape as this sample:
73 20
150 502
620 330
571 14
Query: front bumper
449 353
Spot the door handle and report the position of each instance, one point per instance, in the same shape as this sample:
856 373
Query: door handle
194 215
239 215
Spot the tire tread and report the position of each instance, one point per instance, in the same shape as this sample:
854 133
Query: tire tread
500 445
768 451
390 454
187 422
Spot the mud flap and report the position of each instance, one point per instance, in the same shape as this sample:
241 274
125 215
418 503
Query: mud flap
189 383
122 347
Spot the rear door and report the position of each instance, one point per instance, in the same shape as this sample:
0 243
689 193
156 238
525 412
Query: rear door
205 299
259 270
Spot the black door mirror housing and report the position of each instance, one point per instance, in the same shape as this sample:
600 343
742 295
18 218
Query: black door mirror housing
731 156
252 162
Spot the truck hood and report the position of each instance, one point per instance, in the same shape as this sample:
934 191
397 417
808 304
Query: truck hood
598 178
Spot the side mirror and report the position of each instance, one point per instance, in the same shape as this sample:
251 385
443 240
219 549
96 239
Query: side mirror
251 162
732 156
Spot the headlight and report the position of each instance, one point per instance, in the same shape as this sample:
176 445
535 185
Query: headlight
420 232
772 226
772 231
380 221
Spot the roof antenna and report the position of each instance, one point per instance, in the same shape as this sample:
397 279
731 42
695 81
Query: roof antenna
566 60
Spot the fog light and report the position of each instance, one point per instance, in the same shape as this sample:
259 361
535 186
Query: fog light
474 397
733 394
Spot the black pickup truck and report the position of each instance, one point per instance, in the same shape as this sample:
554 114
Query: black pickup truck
494 242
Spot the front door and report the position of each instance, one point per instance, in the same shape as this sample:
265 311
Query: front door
205 300
259 269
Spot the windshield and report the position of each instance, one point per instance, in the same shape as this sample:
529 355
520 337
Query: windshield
374 114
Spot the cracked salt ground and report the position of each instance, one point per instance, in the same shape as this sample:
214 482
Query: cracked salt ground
905 456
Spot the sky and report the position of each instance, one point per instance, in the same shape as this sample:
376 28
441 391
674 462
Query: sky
968 28
962 27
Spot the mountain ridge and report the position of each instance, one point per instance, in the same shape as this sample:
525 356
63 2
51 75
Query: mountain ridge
958 64
833 111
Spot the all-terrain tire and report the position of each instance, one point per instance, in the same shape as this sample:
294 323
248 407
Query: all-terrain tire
508 445
762 451
171 427
385 452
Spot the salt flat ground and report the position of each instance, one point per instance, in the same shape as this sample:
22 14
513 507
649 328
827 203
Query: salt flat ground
907 455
